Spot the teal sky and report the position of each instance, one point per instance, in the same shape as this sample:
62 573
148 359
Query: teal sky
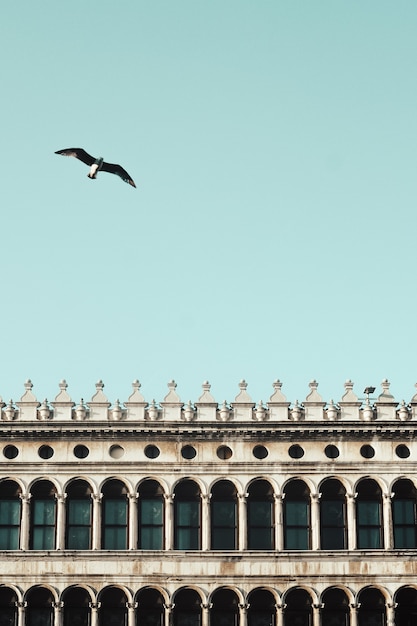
272 233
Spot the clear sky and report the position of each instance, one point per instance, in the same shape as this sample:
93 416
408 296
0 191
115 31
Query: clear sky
272 233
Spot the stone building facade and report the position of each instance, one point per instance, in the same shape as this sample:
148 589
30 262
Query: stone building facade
207 514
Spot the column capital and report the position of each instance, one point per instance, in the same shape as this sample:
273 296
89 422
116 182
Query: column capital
242 496
169 497
21 604
169 606
25 497
351 497
94 606
131 605
61 497
388 496
315 497
133 497
97 497
206 606
58 606
205 497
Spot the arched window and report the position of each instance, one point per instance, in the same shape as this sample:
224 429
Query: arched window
225 608
260 505
114 516
43 516
187 516
335 611
151 516
223 516
406 609
298 611
79 516
404 514
76 607
39 609
296 516
187 608
333 516
8 604
10 514
113 607
150 611
371 610
369 515
261 611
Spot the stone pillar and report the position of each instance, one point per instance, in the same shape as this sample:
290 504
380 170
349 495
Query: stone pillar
354 608
242 524
280 608
94 608
243 612
205 521
205 614
390 607
315 521
169 521
351 521
24 529
96 542
387 517
131 607
60 520
279 521
169 608
21 612
133 521
316 614
58 613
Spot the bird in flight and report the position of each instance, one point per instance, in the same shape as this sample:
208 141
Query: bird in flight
97 164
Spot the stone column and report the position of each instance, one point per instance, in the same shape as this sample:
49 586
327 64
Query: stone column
279 521
242 524
58 613
60 521
243 614
205 521
169 521
390 607
315 521
168 614
133 521
316 614
387 517
354 608
280 608
131 607
24 529
351 521
21 611
94 608
205 614
96 542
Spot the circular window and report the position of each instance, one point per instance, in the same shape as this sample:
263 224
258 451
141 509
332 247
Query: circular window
188 452
224 452
46 452
10 452
81 452
260 452
152 452
332 452
367 452
296 451
116 452
402 451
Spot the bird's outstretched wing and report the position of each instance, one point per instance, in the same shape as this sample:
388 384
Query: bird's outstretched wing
78 153
117 169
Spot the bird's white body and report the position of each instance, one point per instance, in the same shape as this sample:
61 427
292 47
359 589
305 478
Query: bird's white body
95 168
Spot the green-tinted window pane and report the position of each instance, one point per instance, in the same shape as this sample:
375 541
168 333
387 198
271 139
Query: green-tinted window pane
44 512
333 539
187 619
296 513
296 539
9 512
404 537
151 538
9 538
151 512
223 539
115 512
188 513
260 539
115 538
78 538
332 513
44 538
369 513
79 512
224 513
187 539
404 512
260 514
369 538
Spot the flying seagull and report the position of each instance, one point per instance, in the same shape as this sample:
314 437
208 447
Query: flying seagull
97 164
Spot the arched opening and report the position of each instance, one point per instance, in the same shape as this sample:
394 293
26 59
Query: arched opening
187 608
76 610
10 515
406 609
113 607
150 609
223 505
296 516
114 515
79 516
225 608
369 515
151 516
404 514
39 609
8 610
261 611
187 516
260 505
333 535
335 611
43 516
298 611
371 610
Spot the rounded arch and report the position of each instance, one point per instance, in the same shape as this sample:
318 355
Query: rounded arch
156 588
14 479
116 590
376 479
195 588
345 482
86 479
409 477
187 607
44 590
311 486
122 480
227 588
308 590
230 479
267 479
87 588
377 588
261 607
46 479
187 515
349 593
157 479
190 479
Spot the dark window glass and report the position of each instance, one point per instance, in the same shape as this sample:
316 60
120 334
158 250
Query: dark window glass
115 524
39 616
113 616
331 451
43 524
152 452
188 452
296 452
10 452
296 525
224 453
332 517
367 452
369 524
81 452
46 452
260 452
76 616
187 526
7 616
223 529
404 518
151 523
79 524
9 524
260 531
402 451
335 611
